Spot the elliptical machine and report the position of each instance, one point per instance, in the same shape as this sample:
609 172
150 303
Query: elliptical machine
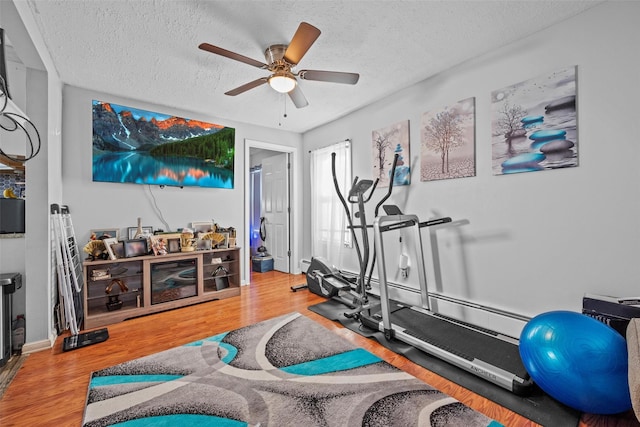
328 281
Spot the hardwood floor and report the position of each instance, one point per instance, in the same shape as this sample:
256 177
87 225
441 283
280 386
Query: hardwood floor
50 389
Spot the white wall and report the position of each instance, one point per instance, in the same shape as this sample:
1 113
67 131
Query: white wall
12 250
39 284
40 98
536 241
95 205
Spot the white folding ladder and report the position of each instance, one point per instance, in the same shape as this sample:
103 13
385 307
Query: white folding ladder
68 265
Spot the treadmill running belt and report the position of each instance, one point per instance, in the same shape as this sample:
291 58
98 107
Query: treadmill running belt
460 340
535 405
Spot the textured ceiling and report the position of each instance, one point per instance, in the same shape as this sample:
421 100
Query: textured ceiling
147 50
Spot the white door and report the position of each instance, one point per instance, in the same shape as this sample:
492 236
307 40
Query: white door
275 209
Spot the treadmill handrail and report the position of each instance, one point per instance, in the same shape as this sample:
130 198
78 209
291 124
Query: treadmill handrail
378 227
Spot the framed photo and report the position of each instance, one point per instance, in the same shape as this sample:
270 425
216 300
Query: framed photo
201 227
173 245
159 245
136 247
108 242
118 249
106 232
172 241
225 243
202 244
131 231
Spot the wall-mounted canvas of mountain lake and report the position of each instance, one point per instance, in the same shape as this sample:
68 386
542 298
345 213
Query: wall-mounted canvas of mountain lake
142 147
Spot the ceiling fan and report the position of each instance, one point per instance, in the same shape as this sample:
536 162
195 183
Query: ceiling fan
280 61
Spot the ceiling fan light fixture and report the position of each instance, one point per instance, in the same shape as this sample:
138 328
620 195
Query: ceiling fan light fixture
281 59
282 82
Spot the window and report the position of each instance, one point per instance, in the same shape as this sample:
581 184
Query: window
329 232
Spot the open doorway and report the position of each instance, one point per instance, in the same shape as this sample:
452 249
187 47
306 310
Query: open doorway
269 219
269 201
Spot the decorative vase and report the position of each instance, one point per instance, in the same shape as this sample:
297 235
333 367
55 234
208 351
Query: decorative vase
139 233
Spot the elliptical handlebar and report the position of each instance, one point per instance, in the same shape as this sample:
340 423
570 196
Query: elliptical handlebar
356 195
393 175
337 186
375 214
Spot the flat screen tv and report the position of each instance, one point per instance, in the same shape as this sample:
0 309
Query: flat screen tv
131 145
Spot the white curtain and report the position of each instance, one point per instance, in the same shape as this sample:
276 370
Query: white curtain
329 233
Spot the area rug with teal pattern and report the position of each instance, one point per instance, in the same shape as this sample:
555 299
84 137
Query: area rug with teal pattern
286 371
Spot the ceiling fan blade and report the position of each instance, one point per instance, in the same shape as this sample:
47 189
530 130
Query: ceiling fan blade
245 87
305 36
298 97
231 55
329 76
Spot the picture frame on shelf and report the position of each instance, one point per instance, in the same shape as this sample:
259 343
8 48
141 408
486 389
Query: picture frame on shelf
201 226
131 231
169 235
159 245
225 243
135 247
118 249
203 244
172 241
173 245
108 232
108 243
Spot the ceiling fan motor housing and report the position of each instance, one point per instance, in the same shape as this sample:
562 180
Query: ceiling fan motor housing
275 54
282 79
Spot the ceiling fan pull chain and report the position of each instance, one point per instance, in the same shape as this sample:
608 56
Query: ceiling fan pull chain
284 100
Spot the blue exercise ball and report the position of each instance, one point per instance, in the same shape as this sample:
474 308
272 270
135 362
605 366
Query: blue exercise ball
577 360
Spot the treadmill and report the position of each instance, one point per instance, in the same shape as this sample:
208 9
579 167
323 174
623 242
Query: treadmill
485 353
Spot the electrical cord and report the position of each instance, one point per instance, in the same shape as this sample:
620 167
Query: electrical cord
158 210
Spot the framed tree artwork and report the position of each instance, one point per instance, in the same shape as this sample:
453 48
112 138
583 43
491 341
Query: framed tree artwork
386 143
448 148
534 125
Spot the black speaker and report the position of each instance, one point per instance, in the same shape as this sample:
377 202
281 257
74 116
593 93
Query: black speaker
12 216
611 311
